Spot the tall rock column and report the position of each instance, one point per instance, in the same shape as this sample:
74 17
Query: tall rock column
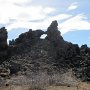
3 43
53 34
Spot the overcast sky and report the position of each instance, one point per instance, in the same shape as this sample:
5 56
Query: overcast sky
72 15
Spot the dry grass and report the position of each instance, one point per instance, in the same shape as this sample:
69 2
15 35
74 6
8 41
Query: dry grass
61 88
81 86
43 81
13 87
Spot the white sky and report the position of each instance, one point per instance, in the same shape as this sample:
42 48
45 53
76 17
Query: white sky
16 14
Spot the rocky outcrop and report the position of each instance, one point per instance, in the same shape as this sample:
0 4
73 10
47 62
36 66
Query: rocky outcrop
83 63
63 52
29 53
52 50
3 43
3 39
32 36
25 41
53 34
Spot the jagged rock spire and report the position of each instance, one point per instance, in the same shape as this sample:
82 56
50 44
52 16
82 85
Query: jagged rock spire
3 38
53 34
3 44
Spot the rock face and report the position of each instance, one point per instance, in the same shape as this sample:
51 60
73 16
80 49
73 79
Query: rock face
29 53
63 51
3 43
25 41
32 36
3 39
53 34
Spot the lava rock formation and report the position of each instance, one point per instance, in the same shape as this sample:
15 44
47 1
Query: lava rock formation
29 53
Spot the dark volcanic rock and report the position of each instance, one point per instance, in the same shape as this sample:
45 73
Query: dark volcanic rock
3 44
32 36
84 49
3 39
63 52
25 41
53 34
52 51
28 53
